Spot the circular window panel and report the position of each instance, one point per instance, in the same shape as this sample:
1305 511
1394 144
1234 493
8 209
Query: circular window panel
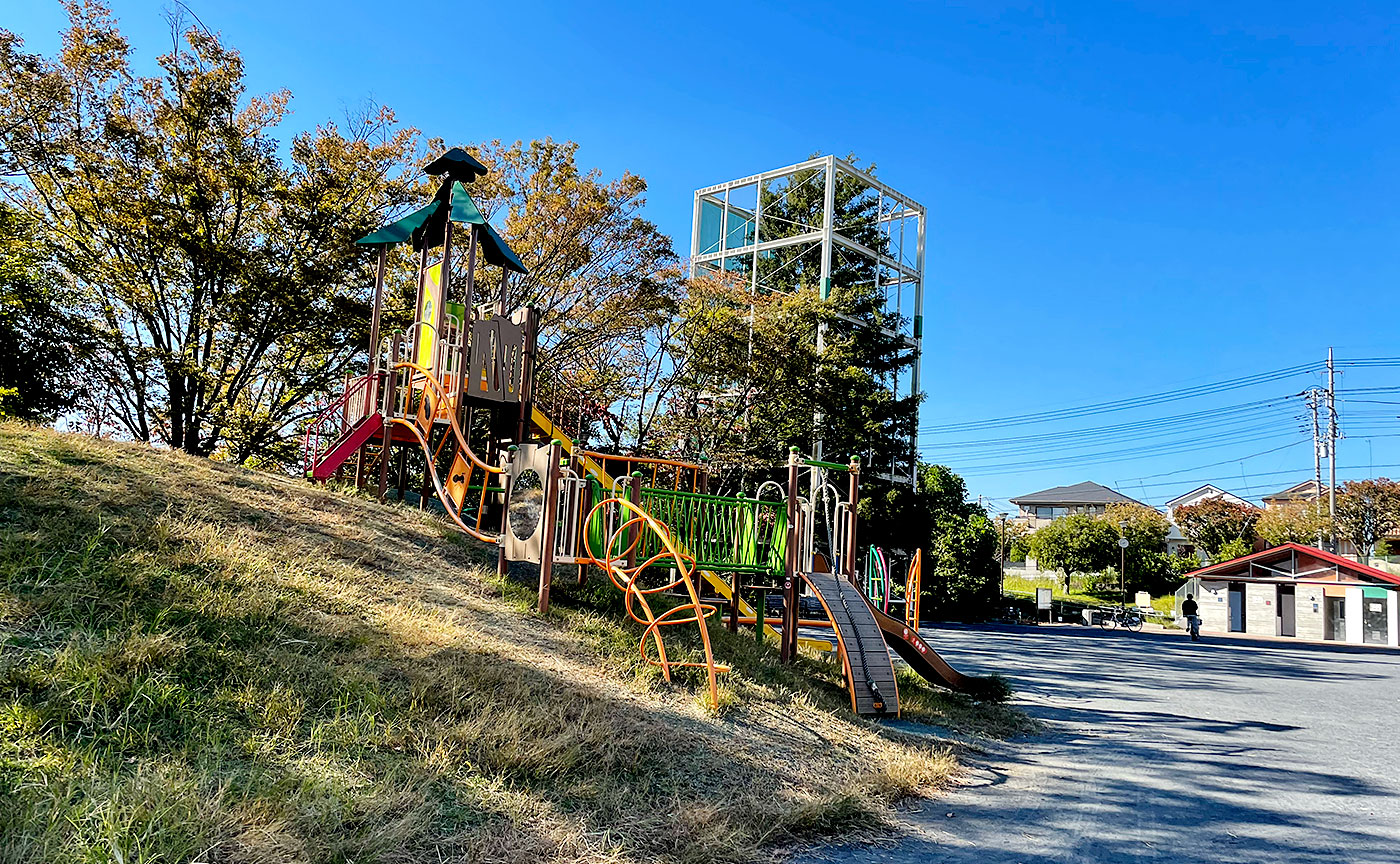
526 504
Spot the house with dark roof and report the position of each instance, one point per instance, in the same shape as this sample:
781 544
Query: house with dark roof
1305 491
1041 508
1299 592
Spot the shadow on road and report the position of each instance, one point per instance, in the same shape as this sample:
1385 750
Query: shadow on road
1158 748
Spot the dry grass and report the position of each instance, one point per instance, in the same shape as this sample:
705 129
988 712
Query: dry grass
202 663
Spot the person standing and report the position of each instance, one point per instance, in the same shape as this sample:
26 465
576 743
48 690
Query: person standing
1193 620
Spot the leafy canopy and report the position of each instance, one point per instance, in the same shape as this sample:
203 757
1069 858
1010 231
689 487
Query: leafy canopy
1296 522
39 346
1367 510
1214 522
220 280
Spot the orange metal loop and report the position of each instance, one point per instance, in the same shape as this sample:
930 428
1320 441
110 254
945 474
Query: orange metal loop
626 578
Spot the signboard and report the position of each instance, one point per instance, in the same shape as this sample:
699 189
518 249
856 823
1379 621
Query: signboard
1122 542
1042 597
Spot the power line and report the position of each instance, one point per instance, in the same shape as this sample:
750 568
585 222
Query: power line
1232 477
1117 455
1079 440
1133 402
1133 426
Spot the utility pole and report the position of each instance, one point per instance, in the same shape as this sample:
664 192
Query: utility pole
1333 433
1314 403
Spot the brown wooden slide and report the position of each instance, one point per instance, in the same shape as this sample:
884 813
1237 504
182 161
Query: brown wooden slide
866 659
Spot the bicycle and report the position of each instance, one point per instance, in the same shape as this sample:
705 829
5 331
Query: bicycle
1120 616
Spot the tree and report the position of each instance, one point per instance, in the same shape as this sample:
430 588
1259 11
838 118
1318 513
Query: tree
961 573
39 346
1146 532
1078 543
220 280
839 394
1367 510
744 373
1149 567
606 282
1297 522
961 569
1017 539
1215 522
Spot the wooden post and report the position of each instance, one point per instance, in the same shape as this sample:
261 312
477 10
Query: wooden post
634 494
468 313
427 487
734 586
374 316
386 429
851 534
418 305
527 374
788 645
402 476
549 513
585 506
502 565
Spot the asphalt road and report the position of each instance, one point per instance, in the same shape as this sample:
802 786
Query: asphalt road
1160 749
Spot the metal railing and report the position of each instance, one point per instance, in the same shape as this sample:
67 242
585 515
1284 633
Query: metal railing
416 402
355 402
657 473
735 535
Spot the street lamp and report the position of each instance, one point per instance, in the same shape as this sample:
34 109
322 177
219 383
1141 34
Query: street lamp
1123 560
1001 586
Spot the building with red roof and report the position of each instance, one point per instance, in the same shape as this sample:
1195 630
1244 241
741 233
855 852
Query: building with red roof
1301 592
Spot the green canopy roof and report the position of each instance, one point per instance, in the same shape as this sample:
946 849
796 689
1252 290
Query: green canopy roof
398 232
496 250
425 227
457 164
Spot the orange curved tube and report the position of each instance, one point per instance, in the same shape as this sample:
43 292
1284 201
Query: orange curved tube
625 578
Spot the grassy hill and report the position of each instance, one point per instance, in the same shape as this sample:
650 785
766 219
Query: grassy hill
203 663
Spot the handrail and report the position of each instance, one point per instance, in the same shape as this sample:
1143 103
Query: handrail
408 377
427 378
660 468
317 434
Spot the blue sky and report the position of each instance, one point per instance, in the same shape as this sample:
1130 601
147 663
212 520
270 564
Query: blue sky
1123 198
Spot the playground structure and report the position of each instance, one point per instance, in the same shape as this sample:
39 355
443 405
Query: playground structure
452 399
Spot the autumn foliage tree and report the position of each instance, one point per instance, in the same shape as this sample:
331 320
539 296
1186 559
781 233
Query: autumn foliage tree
1296 522
218 278
1367 510
606 281
1217 524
